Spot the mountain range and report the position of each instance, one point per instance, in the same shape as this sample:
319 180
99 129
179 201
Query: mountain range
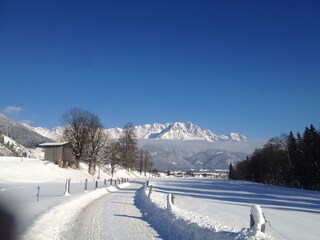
174 146
176 131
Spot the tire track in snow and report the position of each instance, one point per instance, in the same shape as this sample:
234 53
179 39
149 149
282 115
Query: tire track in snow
113 216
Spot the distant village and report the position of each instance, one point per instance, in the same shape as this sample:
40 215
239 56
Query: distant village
218 173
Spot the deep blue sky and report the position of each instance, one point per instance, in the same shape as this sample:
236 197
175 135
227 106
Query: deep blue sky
247 66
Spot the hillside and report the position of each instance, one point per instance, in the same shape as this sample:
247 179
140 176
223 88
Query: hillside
186 155
20 133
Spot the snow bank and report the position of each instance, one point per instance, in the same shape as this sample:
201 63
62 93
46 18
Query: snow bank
123 185
175 223
112 189
59 218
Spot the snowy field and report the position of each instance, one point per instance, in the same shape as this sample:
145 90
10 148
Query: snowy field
293 214
20 179
204 208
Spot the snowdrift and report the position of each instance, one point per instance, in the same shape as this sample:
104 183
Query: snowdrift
174 223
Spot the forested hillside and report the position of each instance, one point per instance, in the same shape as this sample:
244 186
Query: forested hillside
292 161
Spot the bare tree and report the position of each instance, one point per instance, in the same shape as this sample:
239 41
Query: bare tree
145 161
141 156
148 162
128 147
96 142
81 127
112 155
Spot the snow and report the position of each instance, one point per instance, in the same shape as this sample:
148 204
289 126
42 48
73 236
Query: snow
257 216
55 134
66 213
202 209
18 148
177 223
169 131
51 144
292 213
20 178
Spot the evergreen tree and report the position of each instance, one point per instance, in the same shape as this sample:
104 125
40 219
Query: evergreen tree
292 157
231 172
290 161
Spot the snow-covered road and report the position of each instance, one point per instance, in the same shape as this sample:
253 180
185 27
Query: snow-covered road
99 214
113 216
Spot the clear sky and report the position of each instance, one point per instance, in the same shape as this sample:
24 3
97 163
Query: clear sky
229 66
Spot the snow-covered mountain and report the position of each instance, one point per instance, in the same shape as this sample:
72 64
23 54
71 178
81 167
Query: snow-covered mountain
175 146
168 131
9 147
177 131
20 133
54 134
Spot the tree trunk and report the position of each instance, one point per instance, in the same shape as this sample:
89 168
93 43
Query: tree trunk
77 163
92 168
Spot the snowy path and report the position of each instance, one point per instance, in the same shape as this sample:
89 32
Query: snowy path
113 216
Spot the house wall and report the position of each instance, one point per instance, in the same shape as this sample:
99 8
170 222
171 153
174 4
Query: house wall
67 153
53 153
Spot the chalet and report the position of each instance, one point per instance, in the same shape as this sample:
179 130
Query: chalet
58 152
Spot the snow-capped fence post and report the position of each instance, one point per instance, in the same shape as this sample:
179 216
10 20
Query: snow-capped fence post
96 185
105 182
86 185
38 194
111 182
150 191
257 219
170 201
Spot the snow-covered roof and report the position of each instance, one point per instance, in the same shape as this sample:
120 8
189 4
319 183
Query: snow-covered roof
53 144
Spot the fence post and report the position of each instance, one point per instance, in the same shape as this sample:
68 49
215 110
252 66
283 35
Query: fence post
96 184
86 185
172 199
67 187
38 194
105 182
257 219
69 181
150 191
111 182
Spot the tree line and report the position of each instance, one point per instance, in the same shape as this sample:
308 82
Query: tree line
290 160
91 144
